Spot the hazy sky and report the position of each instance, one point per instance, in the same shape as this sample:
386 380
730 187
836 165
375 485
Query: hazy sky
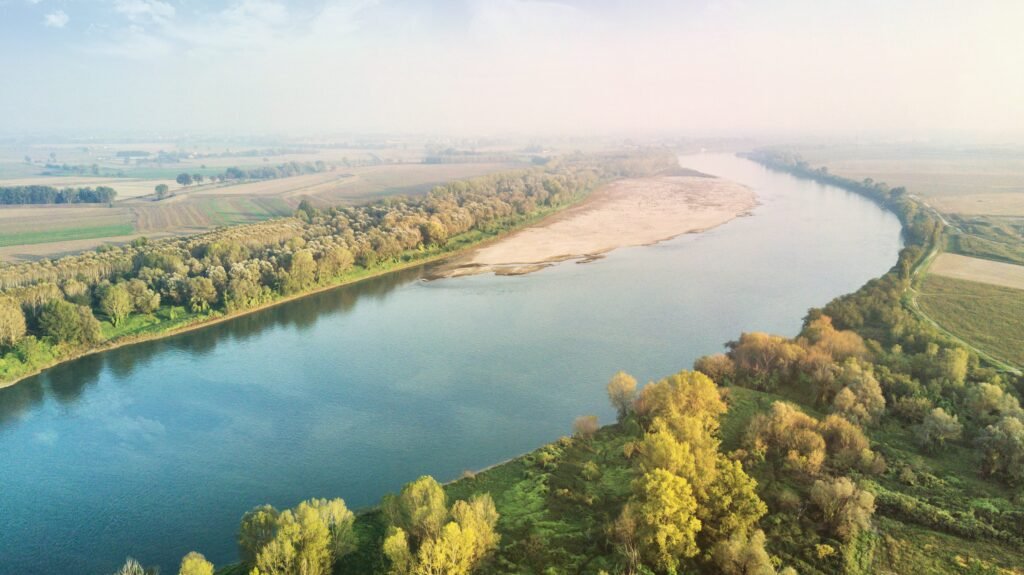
901 68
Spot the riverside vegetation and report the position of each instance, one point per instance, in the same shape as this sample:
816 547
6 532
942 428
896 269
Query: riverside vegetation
54 310
869 443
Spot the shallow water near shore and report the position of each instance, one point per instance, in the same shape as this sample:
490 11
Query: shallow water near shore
156 449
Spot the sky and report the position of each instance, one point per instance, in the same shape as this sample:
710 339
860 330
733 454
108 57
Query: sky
897 68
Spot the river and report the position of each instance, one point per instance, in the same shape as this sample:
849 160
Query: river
157 449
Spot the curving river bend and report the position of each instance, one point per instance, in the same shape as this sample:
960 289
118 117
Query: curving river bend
157 449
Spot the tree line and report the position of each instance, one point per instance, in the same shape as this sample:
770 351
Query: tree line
53 307
35 194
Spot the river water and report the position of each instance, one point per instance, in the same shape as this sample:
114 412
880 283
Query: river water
157 449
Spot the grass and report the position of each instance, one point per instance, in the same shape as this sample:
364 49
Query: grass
988 317
64 234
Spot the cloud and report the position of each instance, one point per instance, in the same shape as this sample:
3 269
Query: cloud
142 10
57 19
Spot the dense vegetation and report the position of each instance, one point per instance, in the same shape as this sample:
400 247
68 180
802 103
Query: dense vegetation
11 195
51 310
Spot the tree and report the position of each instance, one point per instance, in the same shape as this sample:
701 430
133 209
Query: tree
937 428
201 294
12 322
861 398
195 564
664 510
339 521
198 178
685 394
420 510
846 508
302 270
131 567
661 450
144 300
161 191
116 303
396 550
257 529
743 555
184 179
1003 446
333 263
621 393
301 545
585 426
731 505
69 323
718 367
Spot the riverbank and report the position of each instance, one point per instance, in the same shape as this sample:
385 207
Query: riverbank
630 212
163 329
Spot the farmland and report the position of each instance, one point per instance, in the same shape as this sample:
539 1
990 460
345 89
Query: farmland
987 316
979 270
354 175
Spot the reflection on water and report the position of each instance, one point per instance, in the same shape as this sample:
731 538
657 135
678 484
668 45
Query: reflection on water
156 449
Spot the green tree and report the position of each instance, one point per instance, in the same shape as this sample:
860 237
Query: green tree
161 191
195 564
1003 446
144 300
69 323
937 428
301 545
621 393
116 303
339 521
731 505
12 322
184 179
201 294
420 510
743 555
257 529
664 509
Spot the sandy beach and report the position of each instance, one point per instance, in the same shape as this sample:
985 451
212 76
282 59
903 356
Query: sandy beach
631 212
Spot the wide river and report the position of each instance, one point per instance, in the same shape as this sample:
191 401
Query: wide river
157 449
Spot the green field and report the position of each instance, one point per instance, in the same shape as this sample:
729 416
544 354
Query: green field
229 211
64 234
989 317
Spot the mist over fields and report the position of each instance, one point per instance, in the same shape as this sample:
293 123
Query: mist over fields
914 69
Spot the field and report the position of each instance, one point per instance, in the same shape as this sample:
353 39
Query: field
987 316
978 270
30 233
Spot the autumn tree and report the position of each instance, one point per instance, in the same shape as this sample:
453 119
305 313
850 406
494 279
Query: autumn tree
585 426
621 393
195 564
846 508
860 398
762 359
718 367
144 300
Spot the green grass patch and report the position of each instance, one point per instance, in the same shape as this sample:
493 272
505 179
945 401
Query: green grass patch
64 234
988 317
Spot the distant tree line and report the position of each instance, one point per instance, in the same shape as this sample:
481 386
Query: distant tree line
15 195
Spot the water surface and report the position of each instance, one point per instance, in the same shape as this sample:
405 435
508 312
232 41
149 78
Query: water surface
157 449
